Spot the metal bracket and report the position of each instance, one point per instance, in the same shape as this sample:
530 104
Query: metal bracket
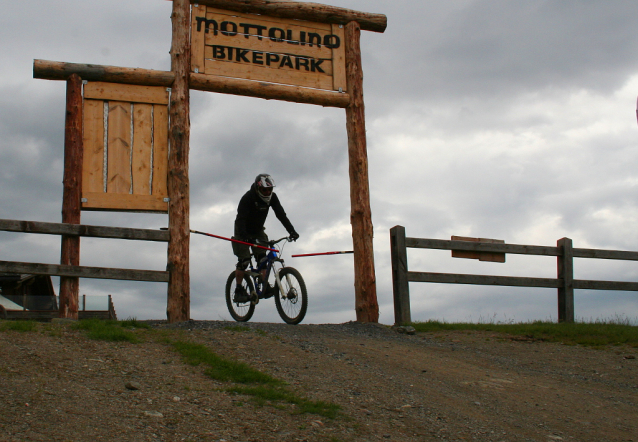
84 200
168 89
85 81
167 200
196 70
341 90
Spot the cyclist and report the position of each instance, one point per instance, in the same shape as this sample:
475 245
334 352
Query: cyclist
249 227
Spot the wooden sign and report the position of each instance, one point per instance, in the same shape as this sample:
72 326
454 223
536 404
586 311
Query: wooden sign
125 162
481 256
268 49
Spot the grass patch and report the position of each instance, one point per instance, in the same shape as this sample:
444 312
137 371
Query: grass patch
20 326
134 323
593 334
262 387
222 369
101 330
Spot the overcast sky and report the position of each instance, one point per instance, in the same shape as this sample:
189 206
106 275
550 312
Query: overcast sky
504 119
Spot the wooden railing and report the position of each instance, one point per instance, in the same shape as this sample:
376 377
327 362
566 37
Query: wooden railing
564 281
89 231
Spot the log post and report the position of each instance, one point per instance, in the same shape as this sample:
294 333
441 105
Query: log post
566 280
72 187
366 304
400 285
178 304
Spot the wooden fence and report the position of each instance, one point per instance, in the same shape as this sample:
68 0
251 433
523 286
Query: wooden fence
564 281
78 230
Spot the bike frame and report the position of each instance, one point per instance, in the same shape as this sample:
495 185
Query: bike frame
269 264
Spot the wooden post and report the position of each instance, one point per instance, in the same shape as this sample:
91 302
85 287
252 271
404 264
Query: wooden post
400 286
72 186
178 304
366 304
566 278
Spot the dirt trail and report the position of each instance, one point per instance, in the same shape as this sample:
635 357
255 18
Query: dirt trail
58 385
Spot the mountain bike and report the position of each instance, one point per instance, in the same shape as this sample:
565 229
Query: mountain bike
289 288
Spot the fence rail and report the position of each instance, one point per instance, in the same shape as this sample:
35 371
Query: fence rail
87 231
564 282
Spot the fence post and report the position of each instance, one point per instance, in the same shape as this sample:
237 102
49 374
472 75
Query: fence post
566 280
72 188
400 287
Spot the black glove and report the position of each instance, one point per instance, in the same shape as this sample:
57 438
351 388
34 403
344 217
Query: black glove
294 236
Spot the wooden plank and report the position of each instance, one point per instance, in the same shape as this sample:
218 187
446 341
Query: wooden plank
606 285
565 265
270 19
606 254
119 148
481 256
160 151
288 37
93 158
56 70
262 73
9 225
197 39
125 92
83 272
309 11
511 281
124 202
366 304
142 144
268 91
517 249
339 62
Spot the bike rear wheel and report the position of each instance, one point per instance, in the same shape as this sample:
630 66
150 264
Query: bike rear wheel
240 311
292 308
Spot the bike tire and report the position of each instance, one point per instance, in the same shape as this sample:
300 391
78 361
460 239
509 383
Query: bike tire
240 311
293 308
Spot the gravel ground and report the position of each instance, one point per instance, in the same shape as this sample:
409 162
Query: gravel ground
57 385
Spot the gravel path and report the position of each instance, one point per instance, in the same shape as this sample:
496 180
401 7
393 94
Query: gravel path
58 385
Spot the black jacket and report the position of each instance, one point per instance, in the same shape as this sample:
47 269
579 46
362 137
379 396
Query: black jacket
252 212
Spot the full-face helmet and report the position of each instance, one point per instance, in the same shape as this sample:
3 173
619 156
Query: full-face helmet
264 185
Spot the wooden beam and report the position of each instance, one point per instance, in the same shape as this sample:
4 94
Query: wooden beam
454 278
83 272
302 11
515 249
9 225
565 264
53 70
268 91
366 305
400 286
72 189
178 305
56 70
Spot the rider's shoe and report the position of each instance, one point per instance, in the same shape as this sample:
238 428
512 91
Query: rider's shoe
241 295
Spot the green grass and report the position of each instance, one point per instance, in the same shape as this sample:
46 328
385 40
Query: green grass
594 334
102 330
261 387
222 369
21 326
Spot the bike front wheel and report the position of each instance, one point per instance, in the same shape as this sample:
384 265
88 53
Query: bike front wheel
293 303
241 311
